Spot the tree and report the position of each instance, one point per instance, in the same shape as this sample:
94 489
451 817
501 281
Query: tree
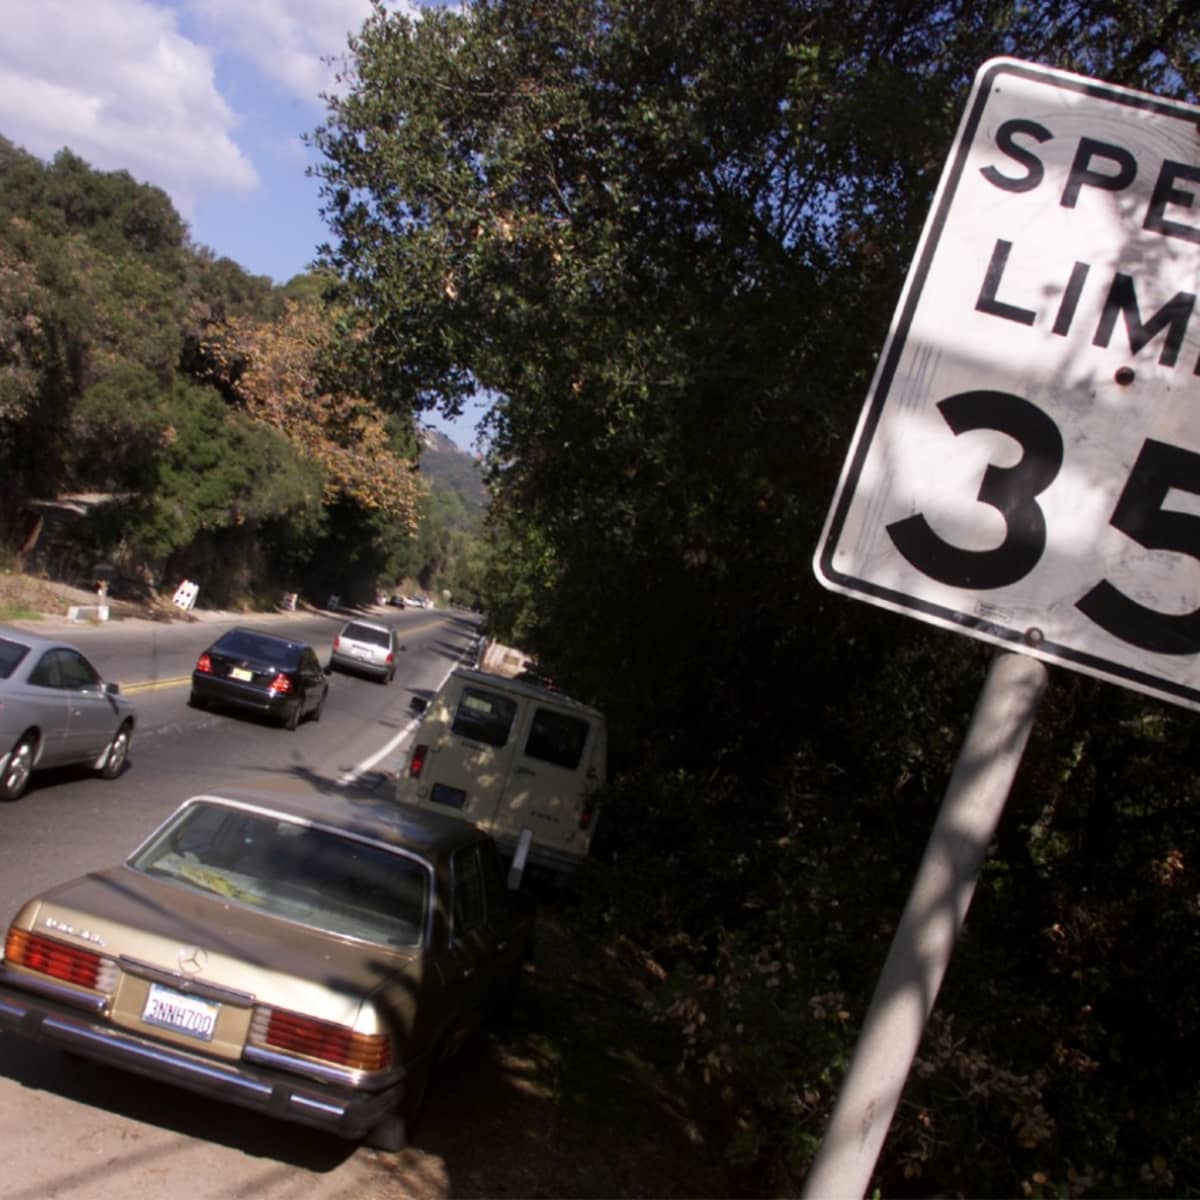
278 374
668 237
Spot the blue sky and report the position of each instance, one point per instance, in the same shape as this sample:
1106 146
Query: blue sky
207 99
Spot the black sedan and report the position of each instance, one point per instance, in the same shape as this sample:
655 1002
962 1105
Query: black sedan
269 675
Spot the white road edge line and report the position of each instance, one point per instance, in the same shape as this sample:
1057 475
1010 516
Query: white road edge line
367 763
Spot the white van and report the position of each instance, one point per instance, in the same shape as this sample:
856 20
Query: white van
510 756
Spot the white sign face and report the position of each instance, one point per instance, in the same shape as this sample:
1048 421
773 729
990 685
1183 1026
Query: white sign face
1026 469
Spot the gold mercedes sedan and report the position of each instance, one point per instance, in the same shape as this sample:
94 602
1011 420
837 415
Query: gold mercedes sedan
312 958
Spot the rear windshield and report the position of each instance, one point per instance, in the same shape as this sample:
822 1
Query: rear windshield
241 643
556 738
11 653
484 716
315 877
367 633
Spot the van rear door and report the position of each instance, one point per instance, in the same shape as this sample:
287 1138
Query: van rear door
471 755
549 778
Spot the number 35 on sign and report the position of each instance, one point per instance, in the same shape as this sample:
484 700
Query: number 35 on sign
1026 468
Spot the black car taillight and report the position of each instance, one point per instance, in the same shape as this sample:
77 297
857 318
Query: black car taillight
281 684
204 664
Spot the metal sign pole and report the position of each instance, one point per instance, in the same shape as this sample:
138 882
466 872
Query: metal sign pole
934 914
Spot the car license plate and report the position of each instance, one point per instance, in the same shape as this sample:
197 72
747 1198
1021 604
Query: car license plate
185 1014
241 673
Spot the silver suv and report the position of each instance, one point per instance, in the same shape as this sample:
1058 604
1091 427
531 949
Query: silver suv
366 647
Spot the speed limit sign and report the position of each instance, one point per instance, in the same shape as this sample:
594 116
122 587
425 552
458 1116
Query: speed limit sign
1026 469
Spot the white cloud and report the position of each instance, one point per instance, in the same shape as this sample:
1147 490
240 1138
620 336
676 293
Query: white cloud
116 82
288 38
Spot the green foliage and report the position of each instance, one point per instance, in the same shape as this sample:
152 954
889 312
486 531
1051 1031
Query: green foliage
105 313
213 469
668 238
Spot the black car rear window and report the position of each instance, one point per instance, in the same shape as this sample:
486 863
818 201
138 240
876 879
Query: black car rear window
11 654
367 633
241 643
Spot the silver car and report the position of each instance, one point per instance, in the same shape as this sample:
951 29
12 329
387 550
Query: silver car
55 710
367 647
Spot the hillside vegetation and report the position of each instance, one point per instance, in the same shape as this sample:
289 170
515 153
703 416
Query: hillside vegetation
218 423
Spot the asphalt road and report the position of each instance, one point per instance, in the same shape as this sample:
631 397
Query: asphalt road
72 1128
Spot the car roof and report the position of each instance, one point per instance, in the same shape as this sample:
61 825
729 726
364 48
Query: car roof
429 833
262 633
32 640
523 687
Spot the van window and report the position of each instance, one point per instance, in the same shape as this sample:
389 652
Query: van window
484 716
556 738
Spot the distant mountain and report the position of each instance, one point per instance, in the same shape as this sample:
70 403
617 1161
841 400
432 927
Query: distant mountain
448 467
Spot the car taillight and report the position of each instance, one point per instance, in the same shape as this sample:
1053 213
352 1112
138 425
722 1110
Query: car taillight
587 813
60 961
417 763
281 684
391 658
294 1034
337 641
204 664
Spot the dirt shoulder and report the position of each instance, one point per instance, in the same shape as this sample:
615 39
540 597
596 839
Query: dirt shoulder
576 1097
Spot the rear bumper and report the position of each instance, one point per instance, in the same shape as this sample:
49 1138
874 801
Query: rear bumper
347 662
240 695
341 1111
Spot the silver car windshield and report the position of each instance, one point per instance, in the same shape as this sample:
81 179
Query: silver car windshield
301 873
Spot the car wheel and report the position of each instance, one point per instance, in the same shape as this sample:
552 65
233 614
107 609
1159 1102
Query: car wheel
118 752
292 721
316 712
20 767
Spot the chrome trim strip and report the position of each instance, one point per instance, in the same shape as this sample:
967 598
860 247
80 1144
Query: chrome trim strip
322 1106
188 984
32 982
347 1076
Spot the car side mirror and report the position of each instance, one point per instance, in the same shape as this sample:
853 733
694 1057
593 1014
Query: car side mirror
418 704
112 689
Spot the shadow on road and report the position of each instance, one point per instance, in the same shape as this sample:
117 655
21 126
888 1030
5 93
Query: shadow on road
44 1068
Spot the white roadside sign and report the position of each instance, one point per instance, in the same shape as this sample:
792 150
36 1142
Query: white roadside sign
1026 469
